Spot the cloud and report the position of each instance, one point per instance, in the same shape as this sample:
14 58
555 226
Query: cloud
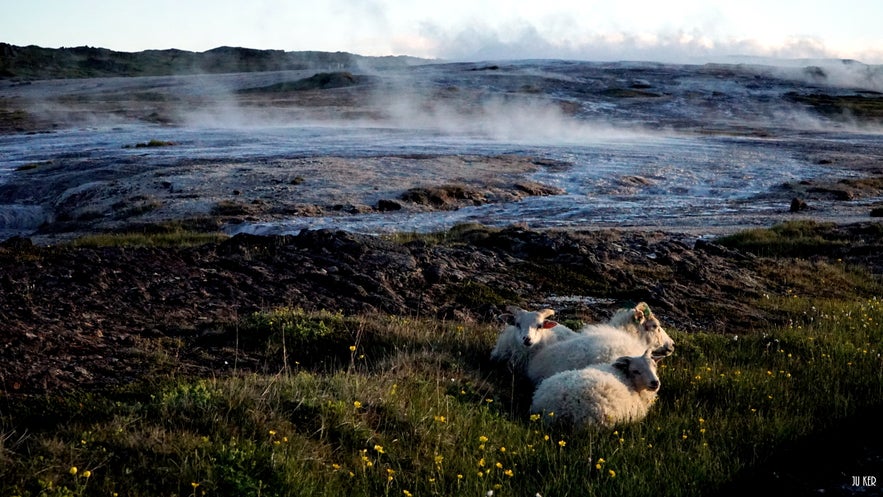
525 40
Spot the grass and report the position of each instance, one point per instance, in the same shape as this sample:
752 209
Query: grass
789 239
459 234
376 404
175 238
387 405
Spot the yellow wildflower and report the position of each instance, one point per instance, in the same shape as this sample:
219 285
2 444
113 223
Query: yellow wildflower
73 470
352 348
379 449
357 404
509 473
561 443
612 473
87 474
483 439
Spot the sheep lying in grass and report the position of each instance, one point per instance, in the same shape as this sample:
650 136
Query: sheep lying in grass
602 394
524 336
639 321
599 343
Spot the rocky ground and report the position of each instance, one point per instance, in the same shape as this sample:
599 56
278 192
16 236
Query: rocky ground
88 317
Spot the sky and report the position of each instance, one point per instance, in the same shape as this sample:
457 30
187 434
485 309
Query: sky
658 30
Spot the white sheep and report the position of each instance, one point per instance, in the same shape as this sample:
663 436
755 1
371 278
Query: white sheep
523 336
601 394
599 343
639 321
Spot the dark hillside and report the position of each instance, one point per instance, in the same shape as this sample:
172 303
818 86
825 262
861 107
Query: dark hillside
33 62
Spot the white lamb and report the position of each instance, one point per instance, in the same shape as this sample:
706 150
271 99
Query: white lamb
602 394
599 343
639 321
525 335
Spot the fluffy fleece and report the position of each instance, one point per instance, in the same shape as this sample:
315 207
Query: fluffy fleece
523 337
628 333
599 344
602 394
639 321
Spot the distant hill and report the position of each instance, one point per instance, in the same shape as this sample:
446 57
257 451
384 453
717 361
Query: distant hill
33 62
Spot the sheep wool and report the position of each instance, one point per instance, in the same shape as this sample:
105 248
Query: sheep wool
603 394
599 344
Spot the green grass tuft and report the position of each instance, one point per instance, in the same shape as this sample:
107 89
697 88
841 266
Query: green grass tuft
789 239
164 239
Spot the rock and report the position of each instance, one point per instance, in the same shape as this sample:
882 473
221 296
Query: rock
798 204
535 189
386 205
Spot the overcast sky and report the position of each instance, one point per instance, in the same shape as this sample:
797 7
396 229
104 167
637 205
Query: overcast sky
663 30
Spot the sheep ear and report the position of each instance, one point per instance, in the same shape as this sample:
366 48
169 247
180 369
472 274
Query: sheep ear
546 313
507 318
622 364
549 324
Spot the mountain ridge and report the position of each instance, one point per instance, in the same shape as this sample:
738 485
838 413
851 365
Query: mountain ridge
33 62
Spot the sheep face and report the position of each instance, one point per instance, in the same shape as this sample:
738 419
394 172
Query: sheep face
640 371
531 325
649 329
654 336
